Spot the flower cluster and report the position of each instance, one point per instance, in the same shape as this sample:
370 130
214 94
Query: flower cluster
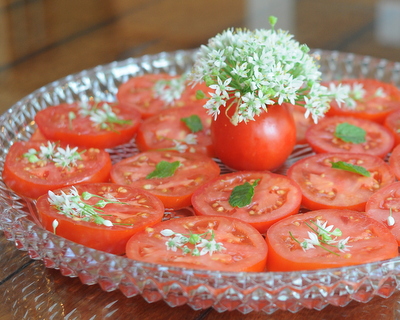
101 114
321 235
71 205
170 90
65 158
200 245
256 69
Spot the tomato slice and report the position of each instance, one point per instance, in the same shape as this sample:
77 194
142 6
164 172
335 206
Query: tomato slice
379 100
392 122
168 130
129 210
362 240
72 124
275 197
243 247
302 123
174 191
394 161
139 93
324 187
33 179
385 203
322 138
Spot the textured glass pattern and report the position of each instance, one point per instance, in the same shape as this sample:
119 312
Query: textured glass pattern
245 292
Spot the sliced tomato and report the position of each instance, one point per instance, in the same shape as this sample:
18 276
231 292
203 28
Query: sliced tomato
171 128
242 247
66 123
139 93
394 161
127 211
379 100
324 187
362 240
33 179
384 206
392 122
302 123
321 136
37 136
174 191
275 197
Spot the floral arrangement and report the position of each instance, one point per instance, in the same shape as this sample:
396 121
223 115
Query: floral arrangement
256 69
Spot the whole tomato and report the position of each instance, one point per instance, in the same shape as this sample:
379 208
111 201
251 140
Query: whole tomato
263 144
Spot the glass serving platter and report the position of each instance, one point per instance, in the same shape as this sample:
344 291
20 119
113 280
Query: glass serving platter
223 291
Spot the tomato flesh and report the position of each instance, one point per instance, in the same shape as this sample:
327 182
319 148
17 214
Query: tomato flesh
369 241
174 191
324 187
275 197
245 248
134 211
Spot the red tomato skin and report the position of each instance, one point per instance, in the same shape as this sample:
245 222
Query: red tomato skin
108 239
203 170
353 198
27 185
392 122
376 109
263 144
54 125
379 204
276 196
137 93
246 248
321 137
372 240
159 131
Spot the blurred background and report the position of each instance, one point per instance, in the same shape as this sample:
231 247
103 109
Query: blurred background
44 40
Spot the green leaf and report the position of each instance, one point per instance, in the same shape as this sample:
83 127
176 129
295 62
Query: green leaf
351 167
350 133
242 194
193 122
164 169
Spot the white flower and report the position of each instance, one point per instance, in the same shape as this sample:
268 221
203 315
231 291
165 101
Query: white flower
191 138
167 232
210 246
169 90
343 246
66 157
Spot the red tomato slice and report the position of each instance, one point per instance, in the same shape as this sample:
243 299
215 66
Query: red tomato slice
131 211
174 191
35 179
166 130
368 241
372 106
302 123
138 93
392 122
244 247
55 124
385 203
275 197
321 137
394 161
324 187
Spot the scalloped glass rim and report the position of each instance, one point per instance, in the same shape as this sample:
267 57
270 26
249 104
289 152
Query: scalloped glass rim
245 292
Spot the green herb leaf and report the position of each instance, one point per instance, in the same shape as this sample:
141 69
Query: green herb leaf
164 169
193 122
200 95
351 167
242 194
350 133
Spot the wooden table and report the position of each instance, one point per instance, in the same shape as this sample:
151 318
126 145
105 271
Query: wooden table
41 41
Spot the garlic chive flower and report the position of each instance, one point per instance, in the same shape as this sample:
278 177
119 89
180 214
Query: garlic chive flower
101 114
390 220
71 205
321 235
170 90
193 243
65 158
252 70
